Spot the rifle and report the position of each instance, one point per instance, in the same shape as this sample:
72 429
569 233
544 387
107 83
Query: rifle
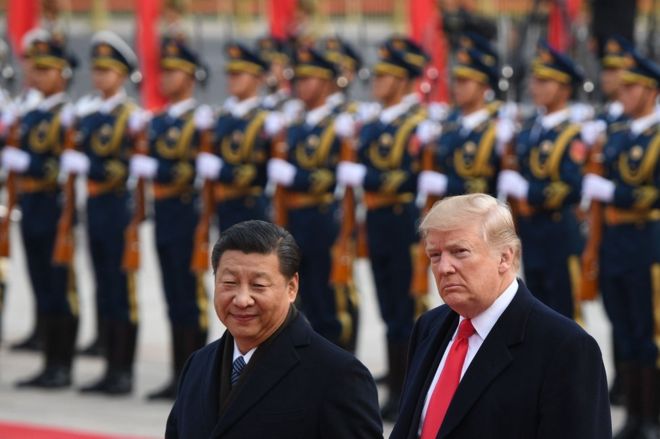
590 269
278 151
199 262
10 184
131 257
64 242
343 250
419 285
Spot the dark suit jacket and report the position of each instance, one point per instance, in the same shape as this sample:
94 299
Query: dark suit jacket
537 375
301 386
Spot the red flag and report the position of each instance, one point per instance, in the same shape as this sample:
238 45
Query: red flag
560 21
282 14
426 30
148 45
22 16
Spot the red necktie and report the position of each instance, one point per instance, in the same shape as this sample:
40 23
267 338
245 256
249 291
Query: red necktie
448 382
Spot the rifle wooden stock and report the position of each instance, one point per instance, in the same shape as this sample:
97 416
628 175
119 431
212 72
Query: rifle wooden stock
590 262
343 251
419 285
199 262
278 151
64 242
10 187
131 257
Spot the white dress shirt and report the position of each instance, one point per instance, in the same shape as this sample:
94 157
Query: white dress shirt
176 110
240 108
246 356
107 105
483 323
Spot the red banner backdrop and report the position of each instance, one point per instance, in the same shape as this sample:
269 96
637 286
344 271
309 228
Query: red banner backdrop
561 17
426 29
282 14
148 45
22 16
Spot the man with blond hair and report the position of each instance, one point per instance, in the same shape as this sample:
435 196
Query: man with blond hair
494 361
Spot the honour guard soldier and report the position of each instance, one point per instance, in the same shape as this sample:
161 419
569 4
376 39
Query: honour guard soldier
173 137
275 52
348 64
388 156
308 174
466 154
629 261
550 154
241 144
104 142
36 161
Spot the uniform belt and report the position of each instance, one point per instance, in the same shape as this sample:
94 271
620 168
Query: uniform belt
615 216
300 200
162 191
31 185
97 188
376 200
226 192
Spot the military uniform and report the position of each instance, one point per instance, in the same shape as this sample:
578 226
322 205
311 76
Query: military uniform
629 263
312 156
550 155
40 142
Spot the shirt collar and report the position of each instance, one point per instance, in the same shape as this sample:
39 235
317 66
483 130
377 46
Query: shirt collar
638 126
107 105
52 100
241 108
176 110
393 111
484 322
474 119
336 99
315 116
246 356
549 121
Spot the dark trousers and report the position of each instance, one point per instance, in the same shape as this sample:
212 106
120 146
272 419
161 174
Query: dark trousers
391 234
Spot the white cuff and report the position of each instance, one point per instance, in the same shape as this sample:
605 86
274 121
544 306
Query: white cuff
138 120
203 117
513 184
432 183
281 172
592 130
74 162
15 159
351 174
595 187
208 165
143 166
345 126
275 122
428 131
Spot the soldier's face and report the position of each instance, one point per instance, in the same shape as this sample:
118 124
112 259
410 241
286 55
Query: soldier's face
385 86
252 297
468 92
610 81
468 272
175 82
107 81
309 89
48 80
548 93
637 99
243 85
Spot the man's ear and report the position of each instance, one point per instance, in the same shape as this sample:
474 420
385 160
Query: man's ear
506 259
292 288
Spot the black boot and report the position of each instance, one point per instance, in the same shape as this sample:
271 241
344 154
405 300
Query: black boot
617 397
97 347
34 341
631 382
649 428
59 339
168 391
397 354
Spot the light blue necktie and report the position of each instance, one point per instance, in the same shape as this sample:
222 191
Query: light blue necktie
236 369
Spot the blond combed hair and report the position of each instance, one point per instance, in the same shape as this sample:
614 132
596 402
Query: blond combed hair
493 216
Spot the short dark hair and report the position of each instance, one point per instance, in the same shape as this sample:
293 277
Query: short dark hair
259 237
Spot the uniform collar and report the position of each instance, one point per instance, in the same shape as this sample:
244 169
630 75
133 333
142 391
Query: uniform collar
107 105
474 119
176 110
241 108
549 121
52 100
336 99
484 322
639 125
315 116
394 111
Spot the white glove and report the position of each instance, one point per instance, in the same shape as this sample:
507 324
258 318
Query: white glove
505 130
438 111
595 187
274 124
427 131
208 165
367 111
432 183
203 117
74 162
592 130
281 172
15 159
351 174
345 126
513 184
9 117
293 110
68 115
138 120
143 166
508 110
